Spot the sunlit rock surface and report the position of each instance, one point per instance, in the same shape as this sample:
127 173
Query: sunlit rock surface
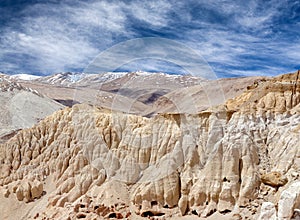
89 162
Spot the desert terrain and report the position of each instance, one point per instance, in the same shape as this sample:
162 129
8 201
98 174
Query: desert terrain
149 146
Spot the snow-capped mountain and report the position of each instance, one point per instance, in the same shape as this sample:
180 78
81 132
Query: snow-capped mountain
100 78
82 79
63 78
85 79
11 84
24 76
69 79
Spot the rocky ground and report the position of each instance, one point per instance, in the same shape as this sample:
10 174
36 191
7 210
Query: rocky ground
237 159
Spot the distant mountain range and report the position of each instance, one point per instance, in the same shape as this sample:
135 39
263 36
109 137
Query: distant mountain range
142 93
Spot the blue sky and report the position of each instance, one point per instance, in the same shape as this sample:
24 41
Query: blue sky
236 38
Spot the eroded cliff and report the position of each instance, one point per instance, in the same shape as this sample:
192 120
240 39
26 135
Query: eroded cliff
240 159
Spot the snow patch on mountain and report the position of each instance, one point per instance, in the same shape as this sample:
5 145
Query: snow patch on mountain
24 76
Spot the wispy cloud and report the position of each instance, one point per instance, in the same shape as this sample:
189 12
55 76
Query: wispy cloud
153 13
59 37
252 40
236 38
151 53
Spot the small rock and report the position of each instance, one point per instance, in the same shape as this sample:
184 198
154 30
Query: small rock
81 215
127 215
36 189
253 211
119 215
237 216
6 193
36 216
274 179
14 189
19 194
294 174
76 208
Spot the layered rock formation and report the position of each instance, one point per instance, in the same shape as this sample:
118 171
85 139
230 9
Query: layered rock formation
240 159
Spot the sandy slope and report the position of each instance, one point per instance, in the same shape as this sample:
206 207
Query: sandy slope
21 107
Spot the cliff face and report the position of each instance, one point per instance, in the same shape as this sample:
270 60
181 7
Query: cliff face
86 162
280 94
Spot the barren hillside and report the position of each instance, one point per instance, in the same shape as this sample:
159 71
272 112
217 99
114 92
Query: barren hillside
237 160
139 93
21 107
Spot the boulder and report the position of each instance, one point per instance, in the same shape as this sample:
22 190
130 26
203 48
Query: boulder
274 179
289 201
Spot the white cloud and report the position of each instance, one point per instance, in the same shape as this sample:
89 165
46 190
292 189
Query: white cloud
151 12
246 45
103 15
258 17
68 35
152 49
54 48
61 37
291 51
